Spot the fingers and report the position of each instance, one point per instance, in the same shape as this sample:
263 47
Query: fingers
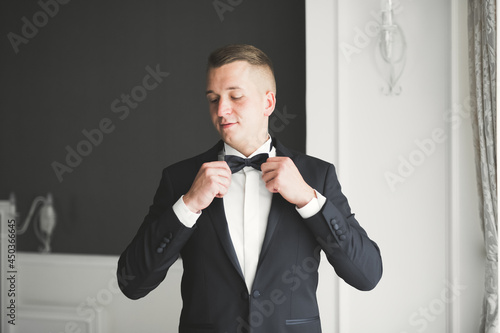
219 164
212 181
219 168
282 176
272 183
217 176
273 172
276 164
222 177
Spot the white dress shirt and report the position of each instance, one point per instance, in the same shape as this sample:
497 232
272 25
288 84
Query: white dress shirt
247 205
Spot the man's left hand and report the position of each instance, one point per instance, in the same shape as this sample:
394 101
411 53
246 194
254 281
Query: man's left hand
282 176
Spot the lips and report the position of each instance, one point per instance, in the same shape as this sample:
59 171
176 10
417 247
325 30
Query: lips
227 125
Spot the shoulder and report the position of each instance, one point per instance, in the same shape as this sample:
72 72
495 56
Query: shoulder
315 171
194 163
303 160
308 160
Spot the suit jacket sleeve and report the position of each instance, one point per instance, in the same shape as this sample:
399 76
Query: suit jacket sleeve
355 258
156 246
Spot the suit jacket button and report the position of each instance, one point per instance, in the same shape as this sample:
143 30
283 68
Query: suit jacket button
336 227
256 294
339 232
159 250
342 237
166 240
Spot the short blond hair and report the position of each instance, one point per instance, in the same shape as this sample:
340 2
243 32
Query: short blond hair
242 52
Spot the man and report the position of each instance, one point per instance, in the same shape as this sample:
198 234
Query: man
249 234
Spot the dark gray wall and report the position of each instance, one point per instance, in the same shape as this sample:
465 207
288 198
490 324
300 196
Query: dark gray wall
66 75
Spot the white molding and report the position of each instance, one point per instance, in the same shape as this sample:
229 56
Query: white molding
67 260
322 79
453 163
63 289
63 319
322 124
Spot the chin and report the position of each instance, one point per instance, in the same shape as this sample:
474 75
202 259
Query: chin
226 138
231 140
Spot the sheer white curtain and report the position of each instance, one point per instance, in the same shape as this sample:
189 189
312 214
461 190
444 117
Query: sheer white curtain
482 67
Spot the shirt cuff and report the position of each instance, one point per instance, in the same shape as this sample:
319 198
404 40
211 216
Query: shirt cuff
184 214
313 206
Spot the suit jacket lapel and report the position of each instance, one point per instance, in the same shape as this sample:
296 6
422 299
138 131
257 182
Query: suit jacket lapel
277 205
218 217
272 222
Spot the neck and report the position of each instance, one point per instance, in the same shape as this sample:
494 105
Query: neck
248 148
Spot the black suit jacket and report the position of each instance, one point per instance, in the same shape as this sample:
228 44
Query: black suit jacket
215 297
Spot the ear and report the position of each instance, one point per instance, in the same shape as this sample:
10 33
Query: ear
270 103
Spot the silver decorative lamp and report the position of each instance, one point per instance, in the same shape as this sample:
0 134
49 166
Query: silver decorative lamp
391 49
43 215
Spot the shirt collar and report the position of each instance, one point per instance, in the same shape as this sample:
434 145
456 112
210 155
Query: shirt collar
265 148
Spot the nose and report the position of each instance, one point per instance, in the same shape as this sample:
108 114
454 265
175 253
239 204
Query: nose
224 107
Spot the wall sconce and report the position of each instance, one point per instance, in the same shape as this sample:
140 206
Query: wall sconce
391 57
44 216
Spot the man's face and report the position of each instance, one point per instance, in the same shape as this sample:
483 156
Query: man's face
240 104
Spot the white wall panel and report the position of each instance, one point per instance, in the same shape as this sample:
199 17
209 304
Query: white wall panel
81 292
427 224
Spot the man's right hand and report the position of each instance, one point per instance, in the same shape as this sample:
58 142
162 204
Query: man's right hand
213 180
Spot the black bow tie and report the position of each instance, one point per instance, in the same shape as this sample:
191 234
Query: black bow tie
237 163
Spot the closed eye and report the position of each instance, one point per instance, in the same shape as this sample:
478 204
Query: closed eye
212 99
